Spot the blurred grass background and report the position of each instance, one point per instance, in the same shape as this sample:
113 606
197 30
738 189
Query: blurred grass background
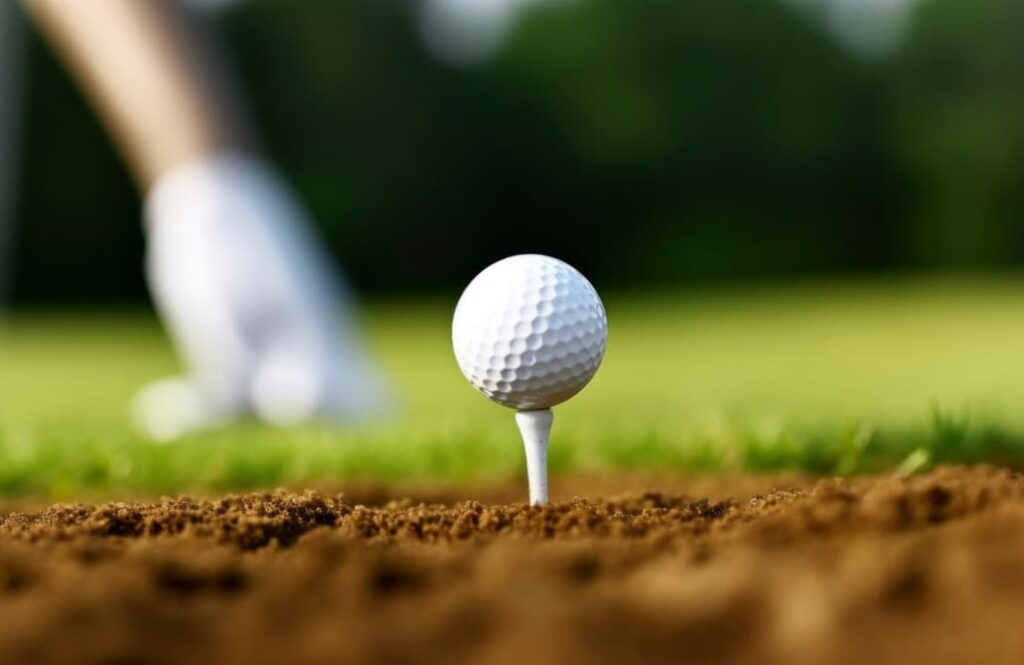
835 376
805 216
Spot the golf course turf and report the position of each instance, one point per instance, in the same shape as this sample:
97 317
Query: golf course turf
818 473
827 377
754 569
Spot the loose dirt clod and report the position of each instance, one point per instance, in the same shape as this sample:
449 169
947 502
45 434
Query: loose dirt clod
883 569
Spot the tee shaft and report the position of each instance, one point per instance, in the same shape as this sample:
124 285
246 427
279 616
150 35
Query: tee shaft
535 427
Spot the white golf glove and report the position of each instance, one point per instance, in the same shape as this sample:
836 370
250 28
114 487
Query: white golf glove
251 303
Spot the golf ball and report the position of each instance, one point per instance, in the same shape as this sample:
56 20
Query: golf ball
529 332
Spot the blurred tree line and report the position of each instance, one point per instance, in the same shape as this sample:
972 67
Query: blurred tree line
655 142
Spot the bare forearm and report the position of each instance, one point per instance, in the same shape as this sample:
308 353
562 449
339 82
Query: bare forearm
154 74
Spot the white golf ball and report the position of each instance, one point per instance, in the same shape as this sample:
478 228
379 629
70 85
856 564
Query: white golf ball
529 332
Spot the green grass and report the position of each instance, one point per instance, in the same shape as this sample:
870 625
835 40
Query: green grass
827 377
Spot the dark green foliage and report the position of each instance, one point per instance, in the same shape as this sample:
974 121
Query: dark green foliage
647 142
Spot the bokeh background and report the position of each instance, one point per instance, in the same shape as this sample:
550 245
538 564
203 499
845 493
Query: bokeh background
805 217
664 142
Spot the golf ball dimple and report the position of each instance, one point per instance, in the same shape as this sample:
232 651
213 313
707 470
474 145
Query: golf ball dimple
529 332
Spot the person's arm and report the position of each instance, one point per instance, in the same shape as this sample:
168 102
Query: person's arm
245 289
156 76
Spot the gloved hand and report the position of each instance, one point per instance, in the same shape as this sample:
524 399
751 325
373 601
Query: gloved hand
251 303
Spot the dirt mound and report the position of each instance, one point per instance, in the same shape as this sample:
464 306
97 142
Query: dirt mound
883 569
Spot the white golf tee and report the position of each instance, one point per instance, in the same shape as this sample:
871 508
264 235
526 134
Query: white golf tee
535 426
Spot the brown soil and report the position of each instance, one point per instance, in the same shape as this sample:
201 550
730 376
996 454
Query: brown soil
883 569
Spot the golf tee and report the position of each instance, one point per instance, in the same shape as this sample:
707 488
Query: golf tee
535 427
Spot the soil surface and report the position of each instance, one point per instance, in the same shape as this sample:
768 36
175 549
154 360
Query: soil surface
761 570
